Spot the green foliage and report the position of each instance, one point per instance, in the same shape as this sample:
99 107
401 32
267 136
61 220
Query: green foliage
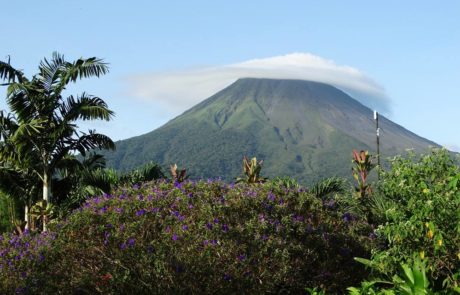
315 291
40 134
285 182
190 238
9 213
251 171
411 280
328 186
91 179
420 211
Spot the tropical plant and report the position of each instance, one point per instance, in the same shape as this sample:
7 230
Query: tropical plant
362 165
420 211
41 130
328 186
285 182
251 170
411 280
148 172
178 175
40 213
91 179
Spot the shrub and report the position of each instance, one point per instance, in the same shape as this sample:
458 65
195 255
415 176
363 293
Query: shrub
420 211
197 237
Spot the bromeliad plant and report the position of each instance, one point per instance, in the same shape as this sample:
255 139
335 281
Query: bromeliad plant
251 170
178 175
40 213
362 166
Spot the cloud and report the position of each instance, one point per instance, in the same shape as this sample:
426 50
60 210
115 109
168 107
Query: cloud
180 90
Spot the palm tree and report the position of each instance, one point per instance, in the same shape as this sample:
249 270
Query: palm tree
41 131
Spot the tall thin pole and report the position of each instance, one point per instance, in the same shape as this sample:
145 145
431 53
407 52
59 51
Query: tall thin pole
377 132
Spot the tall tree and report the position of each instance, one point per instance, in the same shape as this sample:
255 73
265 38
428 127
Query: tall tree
41 130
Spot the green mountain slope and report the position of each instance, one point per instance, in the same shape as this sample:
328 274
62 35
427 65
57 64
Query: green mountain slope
303 129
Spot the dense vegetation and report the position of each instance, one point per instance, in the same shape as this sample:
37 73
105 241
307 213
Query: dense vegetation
253 237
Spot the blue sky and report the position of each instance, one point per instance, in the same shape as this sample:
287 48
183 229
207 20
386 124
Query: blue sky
164 54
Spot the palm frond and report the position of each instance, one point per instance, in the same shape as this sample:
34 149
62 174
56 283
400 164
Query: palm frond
10 74
148 172
50 71
8 125
94 161
20 99
83 68
328 186
85 107
84 143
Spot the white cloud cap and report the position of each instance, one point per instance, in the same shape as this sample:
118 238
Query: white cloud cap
180 90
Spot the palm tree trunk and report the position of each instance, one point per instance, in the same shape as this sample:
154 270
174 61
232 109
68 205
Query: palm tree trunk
46 188
46 193
26 215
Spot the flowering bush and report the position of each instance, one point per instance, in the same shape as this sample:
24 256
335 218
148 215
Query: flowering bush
20 257
193 237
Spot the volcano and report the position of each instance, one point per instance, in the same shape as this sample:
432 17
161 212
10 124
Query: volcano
302 129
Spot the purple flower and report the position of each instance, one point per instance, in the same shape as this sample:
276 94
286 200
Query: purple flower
271 196
347 217
131 242
214 242
118 210
150 198
190 206
205 242
224 228
136 186
209 225
140 197
103 210
216 220
297 218
174 237
227 277
241 257
123 246
140 212
184 227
